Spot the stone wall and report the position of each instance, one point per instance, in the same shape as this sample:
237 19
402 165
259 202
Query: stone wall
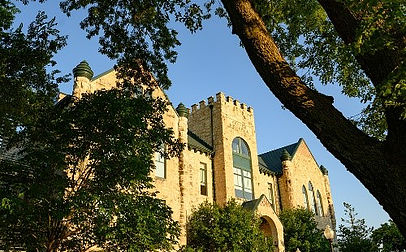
301 170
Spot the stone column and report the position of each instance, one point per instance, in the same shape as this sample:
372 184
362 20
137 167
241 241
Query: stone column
286 181
183 129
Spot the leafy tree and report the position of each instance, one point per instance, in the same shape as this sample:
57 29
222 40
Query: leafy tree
228 228
79 177
355 235
360 45
300 231
388 238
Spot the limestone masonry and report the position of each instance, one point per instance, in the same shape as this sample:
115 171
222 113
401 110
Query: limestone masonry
221 162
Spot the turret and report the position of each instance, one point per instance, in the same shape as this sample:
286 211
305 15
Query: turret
183 121
286 186
82 74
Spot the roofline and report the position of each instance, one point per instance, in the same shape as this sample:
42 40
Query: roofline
102 74
112 70
301 140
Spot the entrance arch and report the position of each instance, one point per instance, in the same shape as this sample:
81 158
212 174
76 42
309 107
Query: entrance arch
269 229
271 225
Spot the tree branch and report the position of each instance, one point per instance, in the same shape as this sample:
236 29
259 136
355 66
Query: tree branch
377 65
362 155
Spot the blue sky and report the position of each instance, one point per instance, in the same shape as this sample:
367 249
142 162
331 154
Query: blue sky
211 61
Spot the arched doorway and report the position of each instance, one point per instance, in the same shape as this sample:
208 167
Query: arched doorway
269 228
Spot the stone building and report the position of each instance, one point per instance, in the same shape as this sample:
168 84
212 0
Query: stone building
221 162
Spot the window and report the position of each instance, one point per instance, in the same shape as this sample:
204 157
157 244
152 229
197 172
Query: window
242 169
271 196
313 205
319 203
203 179
160 164
305 199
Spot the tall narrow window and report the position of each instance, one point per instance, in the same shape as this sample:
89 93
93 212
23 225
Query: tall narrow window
305 198
160 164
271 196
203 179
319 203
313 203
242 169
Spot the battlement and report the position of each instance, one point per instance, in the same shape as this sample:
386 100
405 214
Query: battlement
221 100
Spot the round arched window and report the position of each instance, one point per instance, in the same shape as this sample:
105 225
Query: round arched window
313 203
319 203
305 199
242 169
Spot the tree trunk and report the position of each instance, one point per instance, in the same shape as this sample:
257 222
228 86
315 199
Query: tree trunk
380 166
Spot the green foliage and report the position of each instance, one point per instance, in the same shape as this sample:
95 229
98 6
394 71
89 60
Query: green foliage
308 39
79 176
139 29
388 238
26 87
228 228
103 201
300 231
355 235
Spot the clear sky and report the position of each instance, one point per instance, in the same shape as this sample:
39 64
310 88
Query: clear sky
211 61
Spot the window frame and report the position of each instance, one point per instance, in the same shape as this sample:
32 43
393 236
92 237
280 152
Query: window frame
157 159
271 194
313 203
242 169
305 197
203 179
320 203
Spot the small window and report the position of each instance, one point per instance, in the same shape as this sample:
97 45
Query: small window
203 179
313 203
319 203
160 164
305 199
271 196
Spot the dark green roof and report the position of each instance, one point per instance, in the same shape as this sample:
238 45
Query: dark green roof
102 74
263 167
197 143
272 159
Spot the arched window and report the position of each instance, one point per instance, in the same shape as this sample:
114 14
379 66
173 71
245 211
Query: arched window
319 203
305 199
313 205
242 169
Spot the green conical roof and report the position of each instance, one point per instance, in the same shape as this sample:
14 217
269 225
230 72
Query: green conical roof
285 155
83 70
182 110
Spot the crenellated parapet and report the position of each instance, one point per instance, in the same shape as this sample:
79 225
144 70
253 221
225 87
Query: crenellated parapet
222 100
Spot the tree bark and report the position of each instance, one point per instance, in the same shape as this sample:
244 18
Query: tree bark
379 166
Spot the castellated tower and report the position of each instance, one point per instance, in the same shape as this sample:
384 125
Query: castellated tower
218 122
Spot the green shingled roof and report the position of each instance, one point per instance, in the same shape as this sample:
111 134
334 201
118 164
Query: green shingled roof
272 159
197 143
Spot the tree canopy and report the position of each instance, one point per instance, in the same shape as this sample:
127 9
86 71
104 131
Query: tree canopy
75 173
229 228
300 231
359 45
354 234
388 238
